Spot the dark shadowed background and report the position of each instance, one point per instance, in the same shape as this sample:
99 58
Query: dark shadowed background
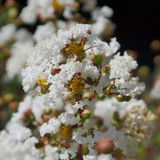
138 23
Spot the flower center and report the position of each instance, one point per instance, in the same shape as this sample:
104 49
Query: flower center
74 48
64 132
44 87
41 82
77 85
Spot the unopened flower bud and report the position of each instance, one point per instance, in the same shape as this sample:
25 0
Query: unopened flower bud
85 150
107 69
31 118
86 114
116 116
104 146
12 13
47 117
98 59
101 96
28 117
48 111
87 95
122 98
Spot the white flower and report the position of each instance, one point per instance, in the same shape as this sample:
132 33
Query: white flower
71 151
7 33
100 26
89 157
68 118
29 12
23 35
51 153
64 156
44 31
19 53
34 104
45 8
105 109
121 66
105 11
29 15
120 70
48 55
105 157
11 148
77 136
129 87
51 127
20 133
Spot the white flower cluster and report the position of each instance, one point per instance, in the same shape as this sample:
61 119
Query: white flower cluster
78 67
22 46
46 9
121 67
10 148
80 102
49 9
19 52
10 32
106 108
102 21
32 112
76 50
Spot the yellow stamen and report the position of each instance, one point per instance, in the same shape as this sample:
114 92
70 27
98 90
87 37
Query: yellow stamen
41 82
74 49
77 85
64 132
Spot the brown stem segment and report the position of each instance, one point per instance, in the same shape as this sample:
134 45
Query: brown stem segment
79 154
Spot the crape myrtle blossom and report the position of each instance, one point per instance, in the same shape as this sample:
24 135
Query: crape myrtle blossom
121 71
106 108
76 80
46 9
10 32
33 105
71 11
73 61
7 33
81 101
18 43
19 52
102 22
31 112
50 9
44 31
67 62
134 115
65 131
11 148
